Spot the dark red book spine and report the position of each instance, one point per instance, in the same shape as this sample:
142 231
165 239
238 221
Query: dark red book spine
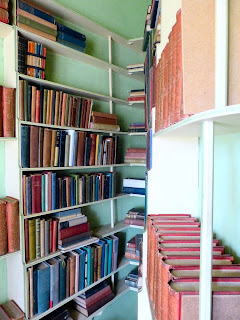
4 4
4 15
74 111
72 231
34 146
3 229
88 113
93 149
8 112
36 193
38 106
81 145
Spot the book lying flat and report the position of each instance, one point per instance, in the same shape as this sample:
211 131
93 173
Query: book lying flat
78 244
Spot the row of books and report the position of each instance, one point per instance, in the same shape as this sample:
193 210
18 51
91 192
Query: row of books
35 19
31 58
10 310
174 266
4 8
135 155
136 96
135 217
43 147
104 121
135 68
58 278
10 228
133 247
42 105
131 279
137 127
46 191
136 186
7 112
93 299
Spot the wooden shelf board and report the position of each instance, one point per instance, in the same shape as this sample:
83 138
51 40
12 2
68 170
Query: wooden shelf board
106 230
226 120
60 49
5 29
123 263
7 255
85 23
73 90
82 167
34 215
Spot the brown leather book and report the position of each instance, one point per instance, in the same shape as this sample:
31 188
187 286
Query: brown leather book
33 104
47 143
74 111
83 113
68 190
34 146
54 136
104 120
104 115
9 112
13 224
26 238
93 149
72 267
57 108
3 314
40 157
3 229
69 117
81 145
21 100
13 310
88 113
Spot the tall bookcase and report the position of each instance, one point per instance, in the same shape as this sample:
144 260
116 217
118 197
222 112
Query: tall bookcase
198 172
101 75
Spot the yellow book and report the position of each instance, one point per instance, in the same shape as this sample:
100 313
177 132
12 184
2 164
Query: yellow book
32 239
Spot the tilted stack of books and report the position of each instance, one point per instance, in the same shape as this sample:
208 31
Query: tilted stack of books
133 245
71 38
41 105
4 14
7 112
93 299
136 96
137 127
58 278
46 191
10 310
104 121
9 222
147 29
31 58
174 268
43 147
135 68
131 279
135 155
135 217
35 19
136 186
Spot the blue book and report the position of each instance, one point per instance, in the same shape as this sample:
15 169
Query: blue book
115 252
81 268
43 287
29 195
54 281
54 184
134 190
57 194
64 195
43 193
92 264
110 250
70 45
96 187
25 150
36 12
71 32
53 106
68 38
79 111
94 290
35 306
102 243
62 276
63 214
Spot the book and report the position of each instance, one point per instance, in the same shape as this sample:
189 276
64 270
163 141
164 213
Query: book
36 18
70 32
4 4
36 11
12 310
8 95
66 37
43 287
13 225
4 15
3 229
54 281
36 25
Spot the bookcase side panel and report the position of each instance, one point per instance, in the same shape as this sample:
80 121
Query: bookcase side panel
3 281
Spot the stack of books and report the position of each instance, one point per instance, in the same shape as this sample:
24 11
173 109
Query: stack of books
135 155
133 245
43 147
41 237
104 121
137 96
131 279
73 229
60 314
135 217
7 112
42 105
46 191
35 19
71 38
137 127
135 68
136 186
31 58
10 310
59 278
93 299
4 15
9 222
147 29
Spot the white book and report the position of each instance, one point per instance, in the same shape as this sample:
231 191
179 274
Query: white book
134 183
71 133
67 147
75 222
76 270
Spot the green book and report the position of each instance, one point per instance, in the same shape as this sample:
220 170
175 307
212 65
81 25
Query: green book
36 25
25 100
32 239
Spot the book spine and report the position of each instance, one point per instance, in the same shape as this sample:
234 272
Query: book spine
4 15
134 190
36 18
25 146
3 229
36 12
39 33
68 38
9 112
36 193
71 32
34 146
4 4
32 240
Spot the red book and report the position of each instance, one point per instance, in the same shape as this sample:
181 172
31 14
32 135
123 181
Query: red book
72 231
38 106
136 150
4 4
13 225
165 92
174 74
179 71
104 120
93 149
63 109
68 190
3 229
54 235
34 146
81 146
4 15
74 111
1 111
83 113
9 112
24 194
26 239
47 144
141 98
104 115
132 256
88 113
135 222
36 193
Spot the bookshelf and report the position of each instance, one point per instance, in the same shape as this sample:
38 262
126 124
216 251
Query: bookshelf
107 78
